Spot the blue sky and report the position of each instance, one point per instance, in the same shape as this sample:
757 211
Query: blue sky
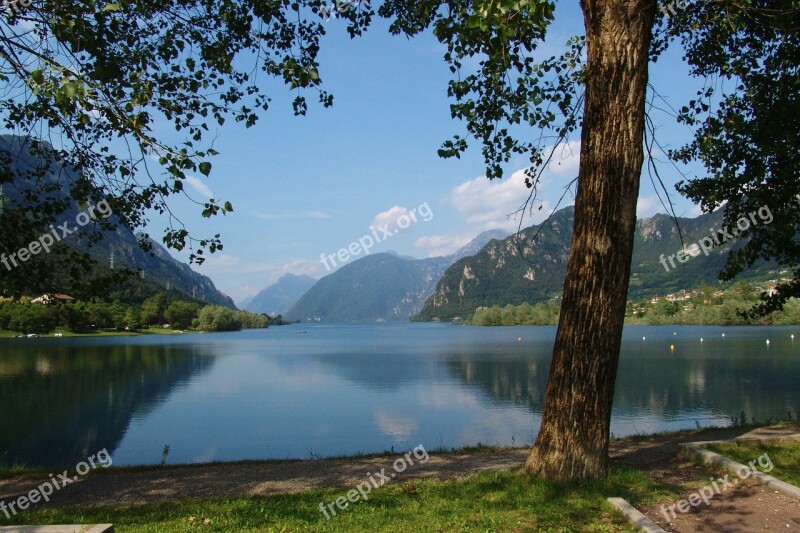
306 186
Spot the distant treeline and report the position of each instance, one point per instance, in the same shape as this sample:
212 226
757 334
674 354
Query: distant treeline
542 314
25 317
707 306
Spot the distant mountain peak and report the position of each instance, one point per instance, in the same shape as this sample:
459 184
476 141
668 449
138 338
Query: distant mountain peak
478 242
279 297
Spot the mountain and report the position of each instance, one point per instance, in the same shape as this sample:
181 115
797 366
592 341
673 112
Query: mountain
378 287
500 275
118 248
476 244
279 297
160 267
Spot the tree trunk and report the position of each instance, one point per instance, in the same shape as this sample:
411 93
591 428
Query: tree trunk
573 440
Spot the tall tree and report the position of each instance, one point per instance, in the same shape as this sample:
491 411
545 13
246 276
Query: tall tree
510 88
573 440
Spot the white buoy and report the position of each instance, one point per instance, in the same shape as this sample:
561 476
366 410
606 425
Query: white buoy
767 342
792 336
701 339
674 333
723 334
519 339
644 338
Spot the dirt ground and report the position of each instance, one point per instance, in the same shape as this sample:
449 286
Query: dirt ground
745 507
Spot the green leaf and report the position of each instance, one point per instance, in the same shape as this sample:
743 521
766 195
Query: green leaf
38 76
205 168
111 7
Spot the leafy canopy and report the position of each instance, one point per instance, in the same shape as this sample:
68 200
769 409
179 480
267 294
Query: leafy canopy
95 86
746 123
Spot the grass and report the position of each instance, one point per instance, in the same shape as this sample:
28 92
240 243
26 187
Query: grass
488 502
785 455
4 334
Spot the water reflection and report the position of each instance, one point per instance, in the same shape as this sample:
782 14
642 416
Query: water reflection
521 383
60 404
707 381
343 390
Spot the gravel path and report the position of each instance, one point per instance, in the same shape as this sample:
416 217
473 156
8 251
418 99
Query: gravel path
138 486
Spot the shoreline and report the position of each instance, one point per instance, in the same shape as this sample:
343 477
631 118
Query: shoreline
19 471
5 334
138 485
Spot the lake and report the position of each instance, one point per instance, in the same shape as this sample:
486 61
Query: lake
308 391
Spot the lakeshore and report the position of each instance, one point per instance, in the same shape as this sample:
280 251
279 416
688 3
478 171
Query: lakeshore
477 489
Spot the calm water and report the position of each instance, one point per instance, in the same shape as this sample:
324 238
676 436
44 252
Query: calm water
309 391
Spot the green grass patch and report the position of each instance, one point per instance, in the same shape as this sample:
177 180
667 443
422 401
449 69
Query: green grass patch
501 502
4 334
785 456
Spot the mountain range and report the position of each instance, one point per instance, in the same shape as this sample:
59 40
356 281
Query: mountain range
379 287
530 266
119 248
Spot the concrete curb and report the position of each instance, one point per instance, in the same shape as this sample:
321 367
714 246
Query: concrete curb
635 516
711 458
749 440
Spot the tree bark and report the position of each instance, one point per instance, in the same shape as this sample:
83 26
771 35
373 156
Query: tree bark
573 440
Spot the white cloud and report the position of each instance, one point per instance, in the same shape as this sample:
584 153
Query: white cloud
201 188
694 211
397 426
492 204
389 219
231 264
400 219
303 267
566 160
439 245
647 206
